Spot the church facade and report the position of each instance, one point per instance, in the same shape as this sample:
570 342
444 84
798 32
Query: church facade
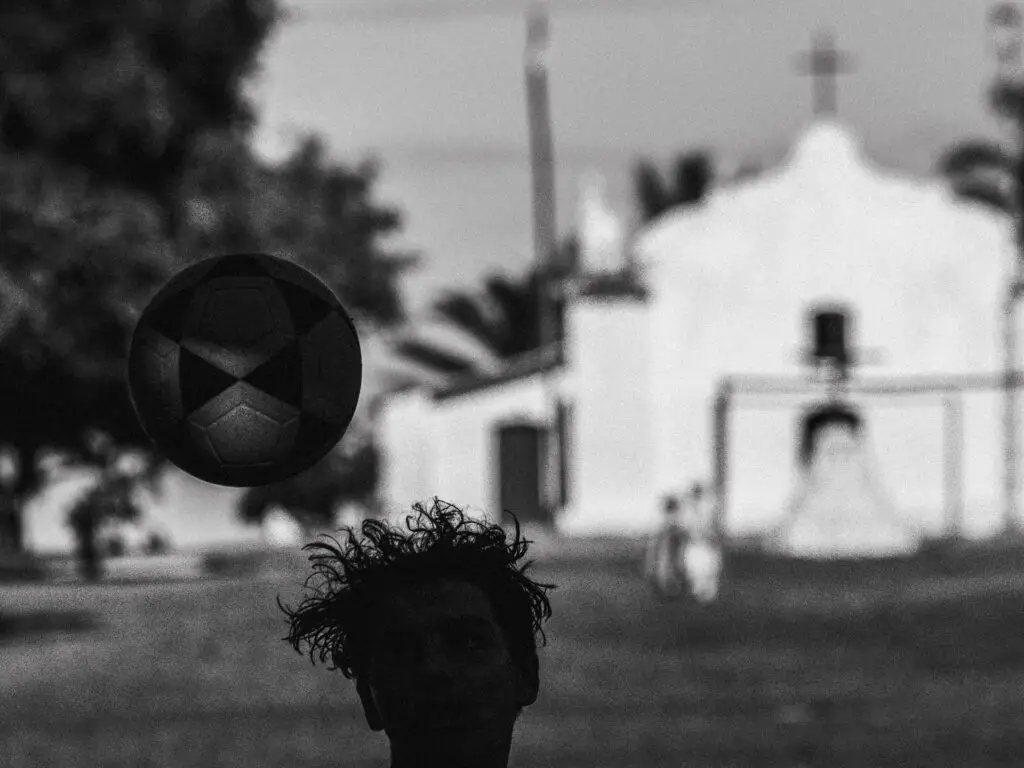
626 406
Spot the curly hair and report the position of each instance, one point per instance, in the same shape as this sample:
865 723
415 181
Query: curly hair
334 620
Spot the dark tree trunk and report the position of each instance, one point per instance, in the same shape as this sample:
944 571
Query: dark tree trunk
11 534
12 505
90 563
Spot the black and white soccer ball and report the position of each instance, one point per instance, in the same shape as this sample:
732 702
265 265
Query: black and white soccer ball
245 370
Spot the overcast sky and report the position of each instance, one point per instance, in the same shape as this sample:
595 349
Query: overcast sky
439 96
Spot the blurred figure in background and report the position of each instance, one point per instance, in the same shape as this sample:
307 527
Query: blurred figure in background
437 629
663 564
702 554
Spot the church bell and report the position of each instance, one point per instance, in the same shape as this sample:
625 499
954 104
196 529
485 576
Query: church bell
830 329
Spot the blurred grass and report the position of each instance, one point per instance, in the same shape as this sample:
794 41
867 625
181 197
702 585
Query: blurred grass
920 663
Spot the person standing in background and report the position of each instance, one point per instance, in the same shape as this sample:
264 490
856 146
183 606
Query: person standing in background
702 555
663 564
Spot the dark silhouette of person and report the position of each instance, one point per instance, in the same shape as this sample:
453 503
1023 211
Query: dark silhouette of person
437 628
663 559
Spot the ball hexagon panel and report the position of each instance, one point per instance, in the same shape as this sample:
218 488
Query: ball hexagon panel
245 427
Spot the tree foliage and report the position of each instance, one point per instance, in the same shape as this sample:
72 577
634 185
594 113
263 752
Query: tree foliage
125 153
982 171
690 181
309 208
125 90
503 316
314 497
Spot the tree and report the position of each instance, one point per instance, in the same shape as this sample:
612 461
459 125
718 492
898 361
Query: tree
126 90
314 496
692 177
511 327
111 498
85 236
61 360
980 170
101 105
309 208
514 327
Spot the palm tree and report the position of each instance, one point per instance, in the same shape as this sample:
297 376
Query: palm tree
348 474
693 174
983 172
980 170
512 328
503 318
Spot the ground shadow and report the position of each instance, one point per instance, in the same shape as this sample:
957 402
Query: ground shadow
31 627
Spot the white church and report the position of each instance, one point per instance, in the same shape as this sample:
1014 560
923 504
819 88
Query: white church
725 304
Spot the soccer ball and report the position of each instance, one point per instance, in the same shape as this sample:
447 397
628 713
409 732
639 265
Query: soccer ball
244 370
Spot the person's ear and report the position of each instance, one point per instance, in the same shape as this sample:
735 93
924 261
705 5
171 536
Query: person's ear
527 681
370 710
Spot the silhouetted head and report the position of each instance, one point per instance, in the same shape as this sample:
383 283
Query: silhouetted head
437 627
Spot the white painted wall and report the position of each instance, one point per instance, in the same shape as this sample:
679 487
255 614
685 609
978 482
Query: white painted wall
448 449
612 448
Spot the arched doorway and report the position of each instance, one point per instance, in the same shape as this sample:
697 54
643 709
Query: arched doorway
820 417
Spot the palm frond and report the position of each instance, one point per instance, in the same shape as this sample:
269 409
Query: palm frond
652 196
983 192
502 295
975 156
464 313
1007 99
432 357
693 175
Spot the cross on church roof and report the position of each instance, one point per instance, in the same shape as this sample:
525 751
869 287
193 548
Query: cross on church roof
824 62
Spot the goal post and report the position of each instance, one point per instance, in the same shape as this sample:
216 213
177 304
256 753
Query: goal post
736 394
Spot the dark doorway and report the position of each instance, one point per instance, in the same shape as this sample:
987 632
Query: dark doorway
822 416
520 449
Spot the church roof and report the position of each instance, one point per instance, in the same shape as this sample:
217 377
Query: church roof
826 181
827 146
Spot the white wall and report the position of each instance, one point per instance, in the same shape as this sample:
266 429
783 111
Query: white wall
448 448
612 451
407 442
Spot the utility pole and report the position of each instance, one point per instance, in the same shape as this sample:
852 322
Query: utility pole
542 168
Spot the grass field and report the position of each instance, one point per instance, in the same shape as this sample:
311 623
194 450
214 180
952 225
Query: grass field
920 664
